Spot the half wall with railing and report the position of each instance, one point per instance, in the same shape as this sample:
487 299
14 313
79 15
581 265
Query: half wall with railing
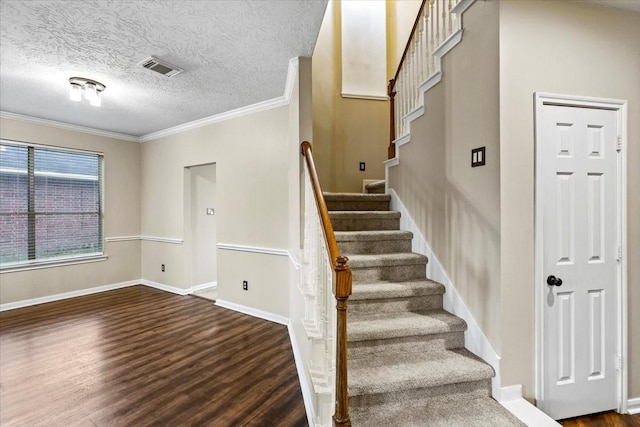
326 285
436 30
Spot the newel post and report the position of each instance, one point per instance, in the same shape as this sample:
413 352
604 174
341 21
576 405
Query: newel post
342 290
391 151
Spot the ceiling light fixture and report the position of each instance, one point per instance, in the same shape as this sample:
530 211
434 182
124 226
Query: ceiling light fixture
90 88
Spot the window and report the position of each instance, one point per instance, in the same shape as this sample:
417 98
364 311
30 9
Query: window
50 204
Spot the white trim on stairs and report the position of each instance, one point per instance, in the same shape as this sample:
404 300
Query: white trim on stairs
434 79
475 340
511 399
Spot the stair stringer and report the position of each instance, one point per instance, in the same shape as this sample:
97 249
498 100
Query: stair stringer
475 340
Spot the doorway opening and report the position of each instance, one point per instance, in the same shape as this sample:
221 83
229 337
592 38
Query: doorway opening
200 229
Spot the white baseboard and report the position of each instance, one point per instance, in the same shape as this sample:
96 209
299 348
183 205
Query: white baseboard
511 398
167 288
475 340
209 285
513 392
66 295
633 406
272 317
305 385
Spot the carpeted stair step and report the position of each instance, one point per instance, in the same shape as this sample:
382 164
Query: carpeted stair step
374 242
414 372
388 297
408 332
479 412
400 267
376 187
364 220
384 289
357 202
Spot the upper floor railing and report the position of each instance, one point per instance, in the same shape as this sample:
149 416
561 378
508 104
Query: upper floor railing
435 24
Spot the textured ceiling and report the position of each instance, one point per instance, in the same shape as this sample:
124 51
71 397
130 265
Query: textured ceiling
234 53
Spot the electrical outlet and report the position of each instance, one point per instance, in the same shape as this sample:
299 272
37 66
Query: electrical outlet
162 268
245 285
362 166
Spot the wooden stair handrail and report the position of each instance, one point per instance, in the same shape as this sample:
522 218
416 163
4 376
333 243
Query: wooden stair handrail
391 153
341 290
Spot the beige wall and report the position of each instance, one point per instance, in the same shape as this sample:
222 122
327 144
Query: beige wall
251 159
567 48
121 216
148 192
456 207
346 131
401 15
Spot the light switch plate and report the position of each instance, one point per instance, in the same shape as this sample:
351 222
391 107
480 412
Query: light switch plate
211 211
478 157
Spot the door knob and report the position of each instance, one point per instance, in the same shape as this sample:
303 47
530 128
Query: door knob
554 281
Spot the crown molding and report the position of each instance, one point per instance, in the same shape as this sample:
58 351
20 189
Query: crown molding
67 126
238 112
280 101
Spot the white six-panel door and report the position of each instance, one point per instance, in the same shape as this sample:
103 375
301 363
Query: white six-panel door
577 158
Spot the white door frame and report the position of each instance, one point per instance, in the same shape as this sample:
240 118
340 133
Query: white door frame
542 99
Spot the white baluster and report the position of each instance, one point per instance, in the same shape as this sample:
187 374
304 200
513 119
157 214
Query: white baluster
444 20
412 77
433 35
450 19
423 46
416 50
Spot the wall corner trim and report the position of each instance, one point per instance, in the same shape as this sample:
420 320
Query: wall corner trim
261 314
513 392
633 406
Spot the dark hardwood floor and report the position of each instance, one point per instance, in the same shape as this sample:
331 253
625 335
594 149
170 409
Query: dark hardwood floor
143 357
605 419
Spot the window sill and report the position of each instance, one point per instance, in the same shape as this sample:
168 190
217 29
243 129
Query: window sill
36 265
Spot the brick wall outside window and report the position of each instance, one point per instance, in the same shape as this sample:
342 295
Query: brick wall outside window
67 218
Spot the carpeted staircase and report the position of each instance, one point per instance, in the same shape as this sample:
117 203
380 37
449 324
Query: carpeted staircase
406 356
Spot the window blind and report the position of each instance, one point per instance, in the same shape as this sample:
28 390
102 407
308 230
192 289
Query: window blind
50 203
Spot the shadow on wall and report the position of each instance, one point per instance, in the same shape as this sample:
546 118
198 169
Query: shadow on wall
465 241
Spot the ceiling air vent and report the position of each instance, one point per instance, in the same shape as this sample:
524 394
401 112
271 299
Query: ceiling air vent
159 66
